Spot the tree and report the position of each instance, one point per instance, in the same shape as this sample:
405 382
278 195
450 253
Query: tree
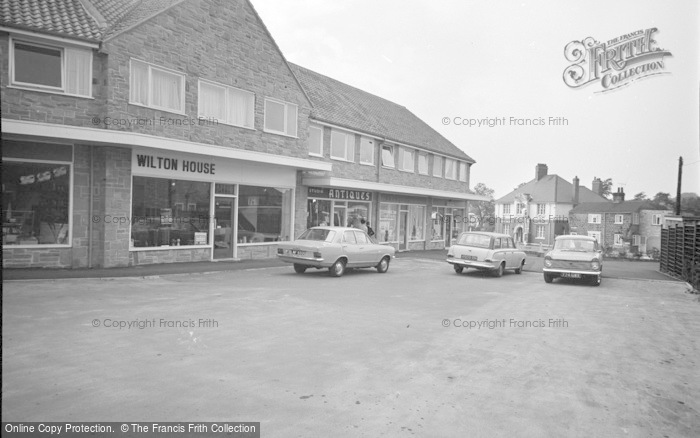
484 210
606 187
663 201
641 196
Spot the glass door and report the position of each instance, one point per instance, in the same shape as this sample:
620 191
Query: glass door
224 207
340 217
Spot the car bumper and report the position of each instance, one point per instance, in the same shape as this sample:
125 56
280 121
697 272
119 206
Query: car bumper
472 264
306 261
568 272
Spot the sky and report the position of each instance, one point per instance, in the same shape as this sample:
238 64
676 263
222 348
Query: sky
452 61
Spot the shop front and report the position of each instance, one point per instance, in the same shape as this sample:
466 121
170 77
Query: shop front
195 207
338 207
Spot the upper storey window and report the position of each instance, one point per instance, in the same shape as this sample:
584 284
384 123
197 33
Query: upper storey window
280 117
157 87
66 70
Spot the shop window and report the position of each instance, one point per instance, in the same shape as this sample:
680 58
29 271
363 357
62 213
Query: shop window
388 223
438 223
226 104
157 87
36 194
264 214
50 68
157 222
280 117
315 141
416 221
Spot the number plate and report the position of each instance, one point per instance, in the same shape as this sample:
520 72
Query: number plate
297 252
468 257
570 275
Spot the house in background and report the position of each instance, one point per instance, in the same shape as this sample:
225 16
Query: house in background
538 211
621 227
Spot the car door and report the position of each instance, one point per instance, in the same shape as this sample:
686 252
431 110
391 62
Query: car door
350 248
366 253
512 259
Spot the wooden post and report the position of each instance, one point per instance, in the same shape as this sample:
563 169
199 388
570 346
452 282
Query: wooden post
678 187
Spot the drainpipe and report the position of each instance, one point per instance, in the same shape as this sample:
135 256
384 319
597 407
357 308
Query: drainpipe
90 203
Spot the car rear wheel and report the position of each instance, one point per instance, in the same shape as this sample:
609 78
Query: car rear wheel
299 269
547 278
520 269
338 268
498 272
383 265
458 269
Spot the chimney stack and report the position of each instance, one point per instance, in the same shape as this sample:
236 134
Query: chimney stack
597 186
576 190
619 196
540 171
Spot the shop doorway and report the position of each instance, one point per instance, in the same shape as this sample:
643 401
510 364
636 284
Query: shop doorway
403 230
340 216
224 224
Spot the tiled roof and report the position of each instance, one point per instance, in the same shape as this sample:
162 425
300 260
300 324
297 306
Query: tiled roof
67 17
612 207
349 107
84 19
552 188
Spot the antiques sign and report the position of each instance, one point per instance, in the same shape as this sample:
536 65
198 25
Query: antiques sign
344 194
615 63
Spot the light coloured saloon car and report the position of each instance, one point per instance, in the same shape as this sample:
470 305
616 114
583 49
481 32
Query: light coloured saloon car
335 248
573 256
485 251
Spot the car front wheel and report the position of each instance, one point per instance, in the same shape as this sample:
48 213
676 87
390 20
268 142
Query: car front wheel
383 265
299 269
338 268
547 278
595 280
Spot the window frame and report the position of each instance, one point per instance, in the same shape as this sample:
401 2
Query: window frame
367 141
391 150
441 169
541 209
424 157
506 209
617 240
320 129
462 165
14 83
149 103
592 218
403 153
540 232
621 218
227 108
453 175
656 219
286 105
349 147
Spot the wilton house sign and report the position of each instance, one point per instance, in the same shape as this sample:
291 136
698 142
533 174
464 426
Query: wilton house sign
615 63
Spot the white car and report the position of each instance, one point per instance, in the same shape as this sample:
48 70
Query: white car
485 251
574 256
335 248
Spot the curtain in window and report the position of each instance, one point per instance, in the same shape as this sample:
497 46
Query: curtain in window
212 101
241 108
167 90
78 71
292 122
387 157
139 83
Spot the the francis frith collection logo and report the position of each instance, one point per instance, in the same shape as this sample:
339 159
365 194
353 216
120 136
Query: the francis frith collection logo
615 63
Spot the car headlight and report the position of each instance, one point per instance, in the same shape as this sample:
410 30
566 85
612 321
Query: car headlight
547 262
595 265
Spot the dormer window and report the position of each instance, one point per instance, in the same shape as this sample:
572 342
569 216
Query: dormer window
43 67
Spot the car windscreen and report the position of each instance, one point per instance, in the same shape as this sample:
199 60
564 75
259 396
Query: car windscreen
575 245
318 235
477 240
